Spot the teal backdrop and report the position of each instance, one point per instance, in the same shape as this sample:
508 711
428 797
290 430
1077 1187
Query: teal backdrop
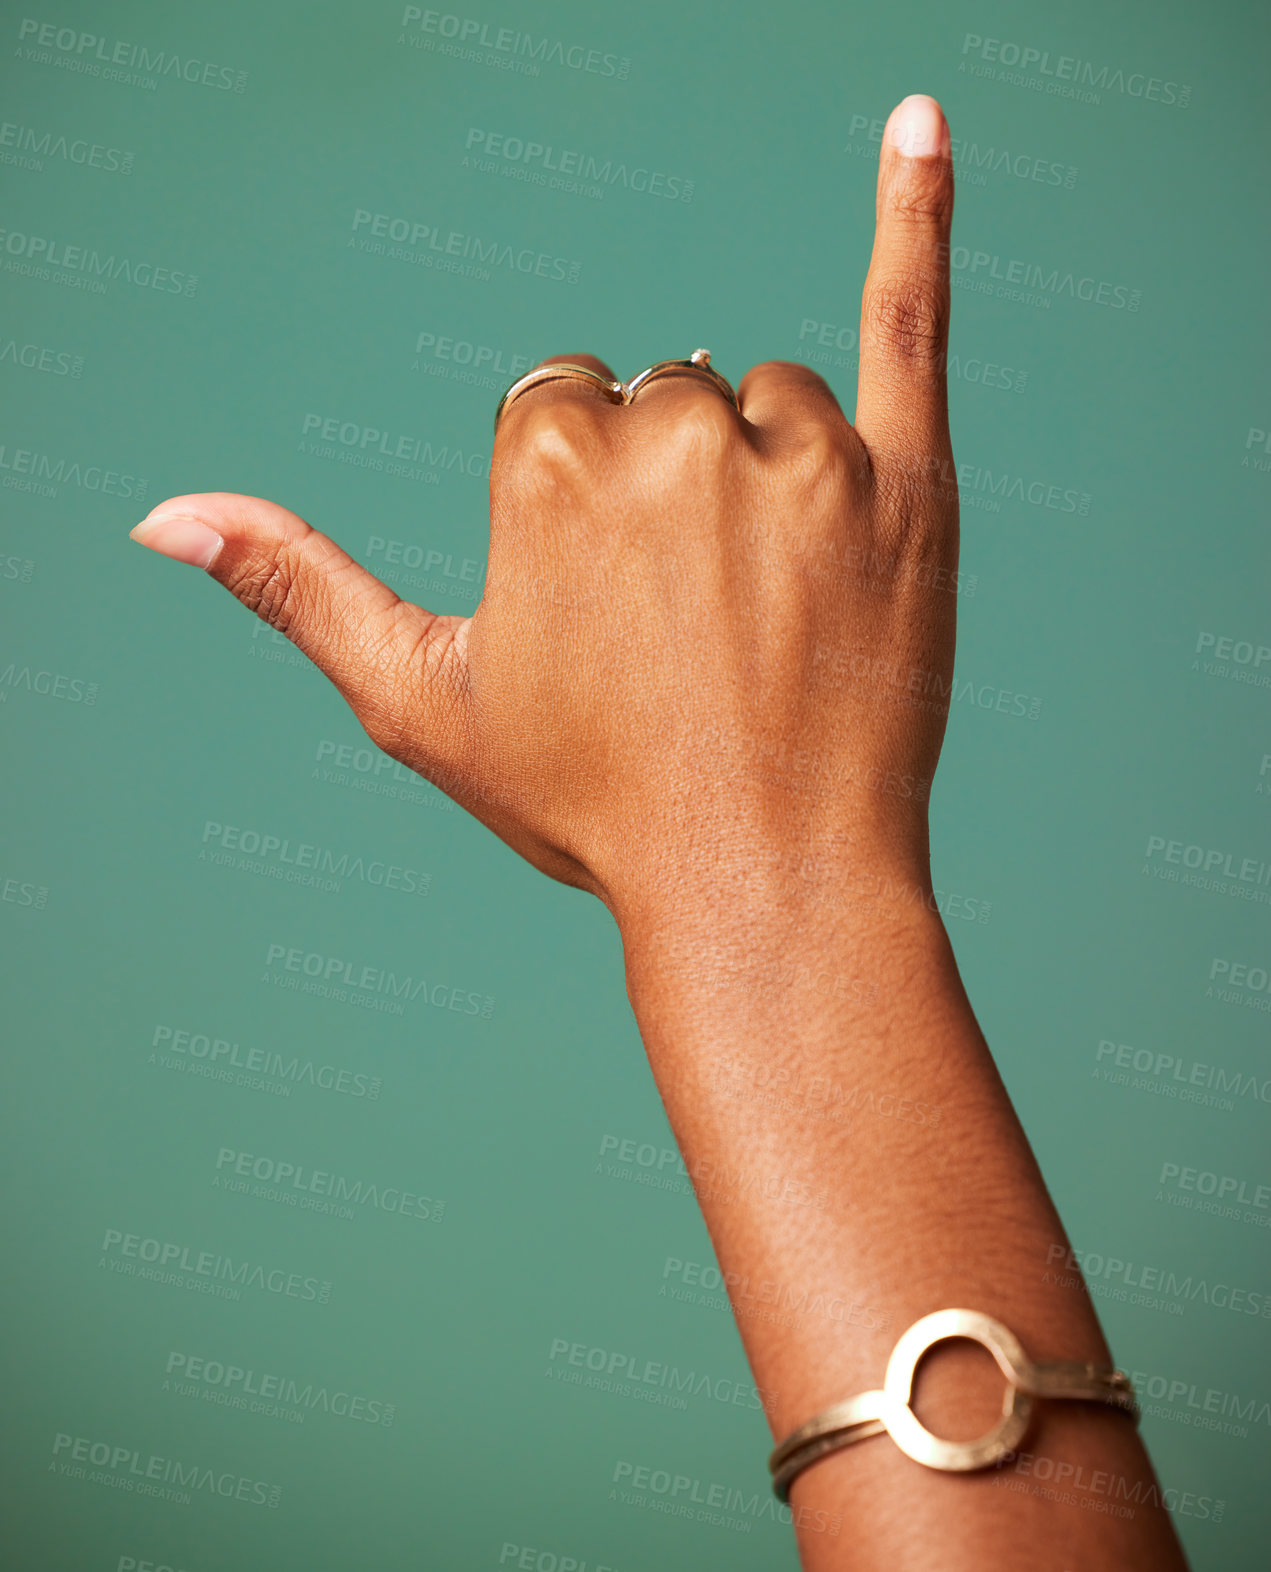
297 1259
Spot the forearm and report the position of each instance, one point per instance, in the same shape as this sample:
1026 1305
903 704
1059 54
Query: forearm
859 1165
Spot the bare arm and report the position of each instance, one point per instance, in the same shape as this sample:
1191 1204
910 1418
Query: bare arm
856 1158
708 682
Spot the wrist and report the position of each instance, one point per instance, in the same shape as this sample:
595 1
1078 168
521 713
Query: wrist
718 836
816 976
811 905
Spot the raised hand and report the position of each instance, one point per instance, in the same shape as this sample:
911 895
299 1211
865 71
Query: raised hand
699 623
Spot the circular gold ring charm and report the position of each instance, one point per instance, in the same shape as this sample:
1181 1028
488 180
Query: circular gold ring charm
907 1430
871 1413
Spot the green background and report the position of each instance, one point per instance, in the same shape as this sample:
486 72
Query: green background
115 929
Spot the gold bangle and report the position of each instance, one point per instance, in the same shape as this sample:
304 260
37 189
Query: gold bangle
870 1413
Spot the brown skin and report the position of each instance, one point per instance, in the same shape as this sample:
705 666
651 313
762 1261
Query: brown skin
705 683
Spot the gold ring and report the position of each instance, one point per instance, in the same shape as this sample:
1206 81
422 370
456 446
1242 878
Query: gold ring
698 364
567 371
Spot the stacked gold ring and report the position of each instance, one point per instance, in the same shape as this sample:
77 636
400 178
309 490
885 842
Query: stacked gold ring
698 364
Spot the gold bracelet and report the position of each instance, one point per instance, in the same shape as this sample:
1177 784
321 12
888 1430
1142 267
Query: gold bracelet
870 1413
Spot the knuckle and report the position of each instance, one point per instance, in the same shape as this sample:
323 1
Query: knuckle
789 372
555 444
788 384
923 193
821 464
910 318
697 428
273 587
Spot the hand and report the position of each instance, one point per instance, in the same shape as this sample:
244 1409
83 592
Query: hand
710 642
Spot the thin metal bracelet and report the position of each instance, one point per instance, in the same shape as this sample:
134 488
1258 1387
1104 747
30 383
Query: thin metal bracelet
872 1413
